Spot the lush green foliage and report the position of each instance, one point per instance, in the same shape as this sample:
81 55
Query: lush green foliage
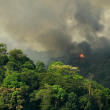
3 49
13 80
26 86
40 67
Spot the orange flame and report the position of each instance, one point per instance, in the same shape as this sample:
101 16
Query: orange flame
81 55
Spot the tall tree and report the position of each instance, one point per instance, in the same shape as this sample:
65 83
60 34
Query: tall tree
45 96
58 94
72 103
3 49
40 67
50 69
15 53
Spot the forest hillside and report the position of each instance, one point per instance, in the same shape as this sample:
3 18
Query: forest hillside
28 86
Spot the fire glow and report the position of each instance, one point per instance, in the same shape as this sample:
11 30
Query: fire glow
81 55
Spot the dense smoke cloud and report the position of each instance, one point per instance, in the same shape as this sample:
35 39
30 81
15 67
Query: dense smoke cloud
65 27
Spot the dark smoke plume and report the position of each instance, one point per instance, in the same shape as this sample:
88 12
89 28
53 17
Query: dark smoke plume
61 28
88 23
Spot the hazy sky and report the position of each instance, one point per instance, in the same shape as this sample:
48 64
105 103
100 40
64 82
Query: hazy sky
43 25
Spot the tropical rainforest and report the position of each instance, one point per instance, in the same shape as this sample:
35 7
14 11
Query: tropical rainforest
28 86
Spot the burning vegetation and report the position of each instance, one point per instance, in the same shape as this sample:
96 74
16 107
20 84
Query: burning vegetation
81 55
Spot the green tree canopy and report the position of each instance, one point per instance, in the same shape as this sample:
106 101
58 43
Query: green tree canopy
65 69
40 67
15 53
72 103
18 55
30 78
13 80
50 69
3 49
3 60
58 94
12 66
28 65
